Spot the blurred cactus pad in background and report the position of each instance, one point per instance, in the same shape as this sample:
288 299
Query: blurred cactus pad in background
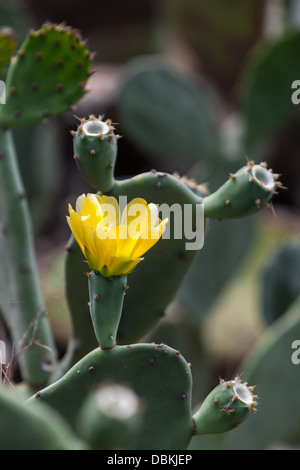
123 327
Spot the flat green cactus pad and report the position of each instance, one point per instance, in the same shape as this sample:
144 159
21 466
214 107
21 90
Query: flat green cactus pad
46 77
158 374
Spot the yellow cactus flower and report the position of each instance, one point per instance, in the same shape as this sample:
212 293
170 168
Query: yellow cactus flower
114 243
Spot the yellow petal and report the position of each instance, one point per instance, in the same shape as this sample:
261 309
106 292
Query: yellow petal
148 240
122 265
125 243
110 210
104 247
76 227
136 216
89 209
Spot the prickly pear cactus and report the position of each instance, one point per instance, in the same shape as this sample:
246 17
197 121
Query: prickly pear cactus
132 272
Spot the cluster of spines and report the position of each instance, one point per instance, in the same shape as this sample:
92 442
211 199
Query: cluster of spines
227 407
111 136
192 183
250 165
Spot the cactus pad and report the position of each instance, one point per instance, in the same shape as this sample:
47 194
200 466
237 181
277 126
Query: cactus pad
225 408
95 146
159 375
46 76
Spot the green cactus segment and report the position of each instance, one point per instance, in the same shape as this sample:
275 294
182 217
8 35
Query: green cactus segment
27 427
106 303
8 44
268 105
280 285
167 420
46 77
245 193
95 147
167 114
21 300
111 417
225 408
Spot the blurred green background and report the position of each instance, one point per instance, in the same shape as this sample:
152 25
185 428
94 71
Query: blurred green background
197 88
